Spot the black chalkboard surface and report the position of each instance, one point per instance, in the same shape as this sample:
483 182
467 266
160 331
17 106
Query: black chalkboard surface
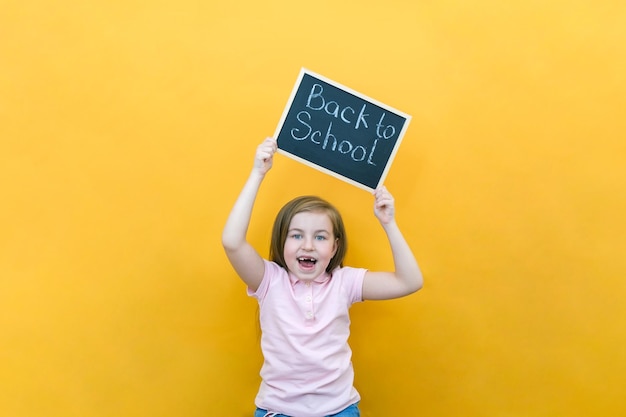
339 131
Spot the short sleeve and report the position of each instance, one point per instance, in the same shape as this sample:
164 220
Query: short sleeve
272 269
352 282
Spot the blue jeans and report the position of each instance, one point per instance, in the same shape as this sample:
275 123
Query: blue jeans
352 411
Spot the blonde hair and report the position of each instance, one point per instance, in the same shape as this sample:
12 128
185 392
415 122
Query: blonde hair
307 204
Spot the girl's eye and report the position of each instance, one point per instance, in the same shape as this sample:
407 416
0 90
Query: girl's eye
320 237
296 236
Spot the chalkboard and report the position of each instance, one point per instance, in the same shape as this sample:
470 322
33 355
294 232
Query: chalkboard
339 131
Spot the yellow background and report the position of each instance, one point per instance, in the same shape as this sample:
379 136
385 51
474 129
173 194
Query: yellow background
128 127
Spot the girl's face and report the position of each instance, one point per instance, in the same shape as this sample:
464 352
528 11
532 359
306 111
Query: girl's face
310 245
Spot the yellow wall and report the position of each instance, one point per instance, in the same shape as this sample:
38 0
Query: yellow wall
127 128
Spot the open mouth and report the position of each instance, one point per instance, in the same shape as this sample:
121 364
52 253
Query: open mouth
307 262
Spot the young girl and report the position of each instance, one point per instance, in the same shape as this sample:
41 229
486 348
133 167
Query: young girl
304 293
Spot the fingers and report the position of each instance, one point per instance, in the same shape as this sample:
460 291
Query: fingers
266 149
384 205
269 144
263 158
270 141
383 197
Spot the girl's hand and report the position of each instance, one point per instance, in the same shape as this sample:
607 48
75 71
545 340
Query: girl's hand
265 155
384 207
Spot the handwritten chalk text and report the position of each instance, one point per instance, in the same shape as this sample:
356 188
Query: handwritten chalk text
357 153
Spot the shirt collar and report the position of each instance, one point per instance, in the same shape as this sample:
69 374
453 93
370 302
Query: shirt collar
319 280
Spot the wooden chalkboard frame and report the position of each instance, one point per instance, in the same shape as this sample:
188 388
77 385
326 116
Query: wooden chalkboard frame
383 163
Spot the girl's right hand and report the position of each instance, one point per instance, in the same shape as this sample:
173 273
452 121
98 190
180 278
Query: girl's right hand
265 155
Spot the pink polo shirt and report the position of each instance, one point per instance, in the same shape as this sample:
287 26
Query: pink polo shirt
305 326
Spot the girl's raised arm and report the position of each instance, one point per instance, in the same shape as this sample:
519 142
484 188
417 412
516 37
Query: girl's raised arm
407 277
242 256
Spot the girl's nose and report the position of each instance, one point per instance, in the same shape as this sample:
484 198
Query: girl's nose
307 243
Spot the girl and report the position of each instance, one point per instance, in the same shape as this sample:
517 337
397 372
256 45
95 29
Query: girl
304 293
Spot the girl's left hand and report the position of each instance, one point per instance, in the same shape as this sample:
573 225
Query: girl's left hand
384 207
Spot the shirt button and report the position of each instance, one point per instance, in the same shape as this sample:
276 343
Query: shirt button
308 284
308 298
309 315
